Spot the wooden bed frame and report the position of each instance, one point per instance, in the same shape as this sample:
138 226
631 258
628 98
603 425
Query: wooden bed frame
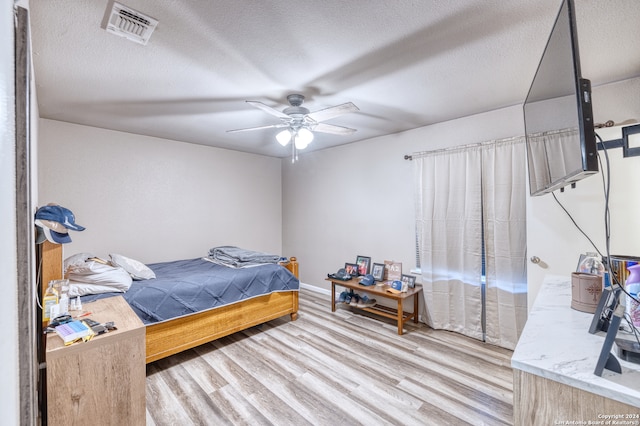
173 336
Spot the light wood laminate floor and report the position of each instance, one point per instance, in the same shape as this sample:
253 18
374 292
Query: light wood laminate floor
342 368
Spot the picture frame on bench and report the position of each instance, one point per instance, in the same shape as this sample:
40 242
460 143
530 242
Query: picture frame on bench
378 271
409 279
364 264
352 269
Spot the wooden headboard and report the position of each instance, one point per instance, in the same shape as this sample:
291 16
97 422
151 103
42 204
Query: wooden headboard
49 264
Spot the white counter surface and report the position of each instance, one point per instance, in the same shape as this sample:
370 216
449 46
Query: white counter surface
556 344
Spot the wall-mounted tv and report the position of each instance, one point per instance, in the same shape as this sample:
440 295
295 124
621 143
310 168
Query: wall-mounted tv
561 143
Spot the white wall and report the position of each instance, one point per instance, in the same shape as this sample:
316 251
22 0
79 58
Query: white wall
551 234
358 199
9 404
155 199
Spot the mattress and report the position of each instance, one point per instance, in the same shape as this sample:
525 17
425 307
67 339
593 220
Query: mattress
184 287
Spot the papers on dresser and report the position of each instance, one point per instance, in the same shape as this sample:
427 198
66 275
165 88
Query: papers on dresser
74 330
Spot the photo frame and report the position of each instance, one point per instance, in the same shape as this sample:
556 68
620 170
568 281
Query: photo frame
580 259
409 279
392 270
352 269
364 265
378 271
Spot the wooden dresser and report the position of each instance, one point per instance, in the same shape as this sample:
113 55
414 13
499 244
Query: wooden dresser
101 381
553 368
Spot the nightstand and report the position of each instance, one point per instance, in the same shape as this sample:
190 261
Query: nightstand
101 381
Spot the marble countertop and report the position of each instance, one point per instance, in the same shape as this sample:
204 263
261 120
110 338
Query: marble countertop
556 344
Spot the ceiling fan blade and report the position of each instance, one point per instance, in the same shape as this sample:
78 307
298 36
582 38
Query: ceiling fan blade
332 128
334 111
270 126
268 109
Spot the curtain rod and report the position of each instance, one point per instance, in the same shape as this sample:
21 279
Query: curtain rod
616 143
461 147
451 148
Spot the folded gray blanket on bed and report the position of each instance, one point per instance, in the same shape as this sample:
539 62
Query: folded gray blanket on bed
239 257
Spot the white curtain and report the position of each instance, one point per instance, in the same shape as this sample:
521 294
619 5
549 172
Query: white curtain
470 206
504 223
449 229
553 156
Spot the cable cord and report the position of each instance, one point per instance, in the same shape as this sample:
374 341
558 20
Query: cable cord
607 225
576 224
632 327
606 185
38 278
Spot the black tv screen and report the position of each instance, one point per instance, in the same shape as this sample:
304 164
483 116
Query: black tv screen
561 144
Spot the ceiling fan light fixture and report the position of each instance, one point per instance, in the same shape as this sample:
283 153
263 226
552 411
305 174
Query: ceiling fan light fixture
303 138
284 137
300 124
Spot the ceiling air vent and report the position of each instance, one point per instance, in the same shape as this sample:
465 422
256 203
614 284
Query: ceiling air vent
131 24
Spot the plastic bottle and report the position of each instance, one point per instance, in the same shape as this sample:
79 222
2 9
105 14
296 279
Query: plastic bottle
634 274
63 301
50 299
632 285
62 290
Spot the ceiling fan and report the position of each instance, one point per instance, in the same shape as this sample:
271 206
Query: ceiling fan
299 123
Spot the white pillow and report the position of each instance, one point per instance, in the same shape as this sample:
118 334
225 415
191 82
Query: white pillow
137 270
92 277
82 289
76 259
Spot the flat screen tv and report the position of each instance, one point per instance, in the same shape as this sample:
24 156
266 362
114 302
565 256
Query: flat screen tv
561 143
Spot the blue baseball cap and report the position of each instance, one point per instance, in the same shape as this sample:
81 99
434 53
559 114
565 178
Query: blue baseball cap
59 214
342 274
367 280
40 237
396 287
55 237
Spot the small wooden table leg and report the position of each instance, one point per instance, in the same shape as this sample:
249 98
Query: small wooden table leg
416 305
333 296
400 316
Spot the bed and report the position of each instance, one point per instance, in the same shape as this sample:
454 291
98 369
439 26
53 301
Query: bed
172 335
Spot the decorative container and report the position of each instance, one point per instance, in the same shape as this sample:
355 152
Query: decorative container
585 291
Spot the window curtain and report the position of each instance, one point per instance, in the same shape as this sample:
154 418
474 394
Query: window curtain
449 228
471 232
551 156
504 224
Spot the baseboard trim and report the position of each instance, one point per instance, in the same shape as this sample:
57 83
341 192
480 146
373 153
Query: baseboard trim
315 289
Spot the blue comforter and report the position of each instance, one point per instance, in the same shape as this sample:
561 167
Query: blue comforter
184 287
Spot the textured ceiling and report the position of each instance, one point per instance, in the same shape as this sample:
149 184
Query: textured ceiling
404 63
